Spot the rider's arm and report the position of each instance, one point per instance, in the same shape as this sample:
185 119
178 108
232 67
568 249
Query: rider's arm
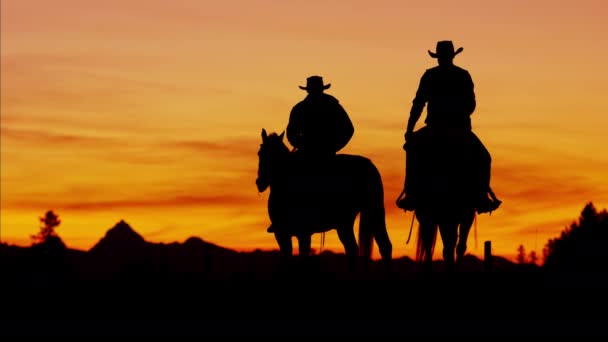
293 130
345 128
417 106
470 102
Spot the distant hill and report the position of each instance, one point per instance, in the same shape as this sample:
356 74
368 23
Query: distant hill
122 253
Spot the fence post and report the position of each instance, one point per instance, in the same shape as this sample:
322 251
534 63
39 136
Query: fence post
487 256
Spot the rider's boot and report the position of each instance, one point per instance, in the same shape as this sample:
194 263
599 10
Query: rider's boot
486 204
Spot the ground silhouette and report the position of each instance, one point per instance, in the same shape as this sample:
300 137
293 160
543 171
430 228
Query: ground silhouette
126 286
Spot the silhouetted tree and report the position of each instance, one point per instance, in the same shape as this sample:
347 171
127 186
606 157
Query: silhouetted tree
521 255
545 253
48 252
581 247
48 222
532 257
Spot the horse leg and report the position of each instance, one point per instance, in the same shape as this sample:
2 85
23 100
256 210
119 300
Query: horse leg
372 227
385 247
464 229
305 261
427 234
304 243
346 234
285 244
449 235
285 252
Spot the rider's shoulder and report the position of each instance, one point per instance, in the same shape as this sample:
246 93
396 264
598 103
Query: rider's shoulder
300 104
316 100
329 97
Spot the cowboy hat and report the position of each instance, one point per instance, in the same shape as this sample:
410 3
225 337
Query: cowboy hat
315 83
445 48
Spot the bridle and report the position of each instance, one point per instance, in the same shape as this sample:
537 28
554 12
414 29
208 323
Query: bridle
270 155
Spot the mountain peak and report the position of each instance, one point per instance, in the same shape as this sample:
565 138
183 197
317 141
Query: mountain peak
121 237
123 231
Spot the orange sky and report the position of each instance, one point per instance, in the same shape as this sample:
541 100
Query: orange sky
151 111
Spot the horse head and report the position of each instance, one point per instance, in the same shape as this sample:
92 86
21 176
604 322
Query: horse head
272 152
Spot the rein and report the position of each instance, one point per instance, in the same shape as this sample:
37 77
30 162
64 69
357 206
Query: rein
322 242
475 221
409 235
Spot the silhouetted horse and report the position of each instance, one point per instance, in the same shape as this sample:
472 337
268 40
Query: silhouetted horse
446 204
307 199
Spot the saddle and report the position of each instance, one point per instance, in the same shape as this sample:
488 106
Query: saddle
446 172
309 183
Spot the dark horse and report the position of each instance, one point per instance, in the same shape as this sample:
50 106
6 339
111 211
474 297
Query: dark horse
448 183
303 201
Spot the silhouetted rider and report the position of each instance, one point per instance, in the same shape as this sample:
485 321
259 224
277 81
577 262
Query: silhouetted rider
448 92
318 125
318 128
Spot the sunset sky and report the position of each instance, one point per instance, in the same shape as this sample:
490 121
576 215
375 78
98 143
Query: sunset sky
151 111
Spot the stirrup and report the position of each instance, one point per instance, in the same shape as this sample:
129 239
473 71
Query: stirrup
488 205
406 203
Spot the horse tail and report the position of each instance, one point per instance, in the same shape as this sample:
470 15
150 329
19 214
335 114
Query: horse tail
426 240
372 220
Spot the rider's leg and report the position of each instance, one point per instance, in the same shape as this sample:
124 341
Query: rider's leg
415 154
483 165
482 161
407 202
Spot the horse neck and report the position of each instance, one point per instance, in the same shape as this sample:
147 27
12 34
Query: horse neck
282 167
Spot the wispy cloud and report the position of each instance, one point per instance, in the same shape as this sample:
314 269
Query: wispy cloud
52 138
220 200
228 147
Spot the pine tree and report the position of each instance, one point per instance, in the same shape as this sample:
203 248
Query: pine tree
521 255
48 223
581 246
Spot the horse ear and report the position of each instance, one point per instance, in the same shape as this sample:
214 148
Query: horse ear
264 134
282 135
